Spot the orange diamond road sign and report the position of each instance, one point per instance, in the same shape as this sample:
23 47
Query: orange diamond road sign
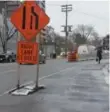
27 52
29 19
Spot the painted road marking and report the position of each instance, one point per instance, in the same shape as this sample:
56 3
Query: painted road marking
8 71
7 64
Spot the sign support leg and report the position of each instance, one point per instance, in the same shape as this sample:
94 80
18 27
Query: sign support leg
18 77
18 66
37 87
37 70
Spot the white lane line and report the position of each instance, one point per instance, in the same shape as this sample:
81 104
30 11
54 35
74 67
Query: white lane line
7 64
32 82
8 71
56 73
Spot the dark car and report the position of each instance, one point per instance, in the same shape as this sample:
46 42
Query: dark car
8 57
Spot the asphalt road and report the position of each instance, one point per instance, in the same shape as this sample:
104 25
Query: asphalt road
70 87
8 72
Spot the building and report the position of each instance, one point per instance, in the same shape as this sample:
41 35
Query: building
49 45
2 5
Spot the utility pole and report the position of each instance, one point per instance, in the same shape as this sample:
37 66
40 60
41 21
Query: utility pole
66 8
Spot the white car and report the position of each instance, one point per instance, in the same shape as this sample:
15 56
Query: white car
42 58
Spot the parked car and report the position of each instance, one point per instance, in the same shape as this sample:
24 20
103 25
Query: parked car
8 57
42 58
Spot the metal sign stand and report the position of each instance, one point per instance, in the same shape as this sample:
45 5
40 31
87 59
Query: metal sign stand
37 87
18 65
29 89
18 77
37 65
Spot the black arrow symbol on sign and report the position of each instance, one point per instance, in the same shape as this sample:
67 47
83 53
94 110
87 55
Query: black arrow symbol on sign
24 18
33 14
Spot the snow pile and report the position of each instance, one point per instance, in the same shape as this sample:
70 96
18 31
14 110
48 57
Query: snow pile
82 49
86 49
106 73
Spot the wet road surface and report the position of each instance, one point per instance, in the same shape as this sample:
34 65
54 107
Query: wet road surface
79 88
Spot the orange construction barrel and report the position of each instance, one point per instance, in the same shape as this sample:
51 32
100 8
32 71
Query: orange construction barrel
72 56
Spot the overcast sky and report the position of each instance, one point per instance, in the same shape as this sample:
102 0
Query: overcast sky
95 13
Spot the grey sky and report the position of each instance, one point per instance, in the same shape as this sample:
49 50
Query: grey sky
95 13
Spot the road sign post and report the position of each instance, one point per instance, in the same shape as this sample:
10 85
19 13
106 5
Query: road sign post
18 65
18 77
32 19
37 70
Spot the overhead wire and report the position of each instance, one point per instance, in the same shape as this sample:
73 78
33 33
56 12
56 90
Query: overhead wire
87 14
84 13
95 16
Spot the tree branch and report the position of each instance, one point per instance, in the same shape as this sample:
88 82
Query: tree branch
11 30
11 36
89 33
1 39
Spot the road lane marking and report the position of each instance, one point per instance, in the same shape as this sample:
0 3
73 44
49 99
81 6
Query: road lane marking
8 71
32 82
7 64
67 69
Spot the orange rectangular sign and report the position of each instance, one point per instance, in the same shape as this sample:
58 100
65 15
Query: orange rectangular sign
27 52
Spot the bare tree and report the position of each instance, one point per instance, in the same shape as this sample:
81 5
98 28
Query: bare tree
50 33
83 33
85 30
3 38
